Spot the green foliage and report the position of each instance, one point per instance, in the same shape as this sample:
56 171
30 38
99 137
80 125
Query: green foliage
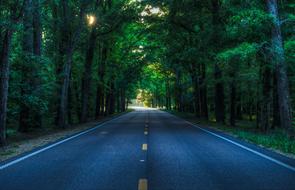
275 140
252 24
175 52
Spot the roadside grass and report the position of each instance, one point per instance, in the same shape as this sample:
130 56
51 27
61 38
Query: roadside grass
275 140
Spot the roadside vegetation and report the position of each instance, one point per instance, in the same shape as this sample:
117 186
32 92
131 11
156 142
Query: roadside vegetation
274 139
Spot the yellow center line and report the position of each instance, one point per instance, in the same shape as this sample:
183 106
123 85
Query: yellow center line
142 184
144 146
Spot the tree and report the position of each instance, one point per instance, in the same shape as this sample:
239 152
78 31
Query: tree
282 79
14 14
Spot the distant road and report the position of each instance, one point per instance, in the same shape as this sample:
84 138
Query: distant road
148 149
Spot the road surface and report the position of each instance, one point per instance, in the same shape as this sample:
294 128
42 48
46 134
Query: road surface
148 149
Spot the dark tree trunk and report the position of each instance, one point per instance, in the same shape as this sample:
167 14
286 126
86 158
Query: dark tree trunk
265 104
103 100
232 119
219 89
63 66
99 101
65 82
258 102
70 105
64 94
78 99
107 103
239 107
203 93
195 81
219 96
25 118
4 78
87 75
282 78
112 99
168 96
118 101
276 111
37 30
264 57
100 86
178 92
123 100
250 105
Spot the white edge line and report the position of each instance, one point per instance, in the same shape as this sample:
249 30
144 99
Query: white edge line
246 148
56 144
242 146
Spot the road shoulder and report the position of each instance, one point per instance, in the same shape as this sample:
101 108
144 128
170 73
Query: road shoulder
19 148
270 152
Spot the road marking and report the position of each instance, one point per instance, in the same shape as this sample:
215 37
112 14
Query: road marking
56 144
245 148
146 133
144 146
141 160
143 184
104 133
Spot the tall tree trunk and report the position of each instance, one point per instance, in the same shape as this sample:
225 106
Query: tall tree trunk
78 99
276 111
70 104
71 42
195 83
265 104
64 94
100 86
232 119
219 89
112 99
203 92
107 101
178 92
37 116
37 28
4 78
239 107
87 75
25 118
279 58
99 102
123 100
118 101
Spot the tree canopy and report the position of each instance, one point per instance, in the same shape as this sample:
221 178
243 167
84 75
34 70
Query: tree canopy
71 61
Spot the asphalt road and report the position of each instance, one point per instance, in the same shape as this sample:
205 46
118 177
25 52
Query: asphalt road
149 149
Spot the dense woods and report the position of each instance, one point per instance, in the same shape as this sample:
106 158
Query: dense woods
72 61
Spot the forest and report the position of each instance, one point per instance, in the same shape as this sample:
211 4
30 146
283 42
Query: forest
72 61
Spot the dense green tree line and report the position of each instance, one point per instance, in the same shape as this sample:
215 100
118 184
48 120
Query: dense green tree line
64 62
70 61
227 60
